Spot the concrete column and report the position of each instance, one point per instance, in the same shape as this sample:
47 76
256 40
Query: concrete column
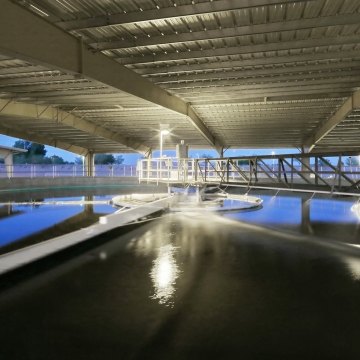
9 165
306 227
89 164
7 155
306 161
89 208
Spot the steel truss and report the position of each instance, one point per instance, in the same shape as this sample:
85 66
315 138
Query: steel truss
328 171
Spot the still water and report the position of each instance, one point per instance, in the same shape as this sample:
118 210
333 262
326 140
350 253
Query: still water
319 215
23 225
29 217
189 286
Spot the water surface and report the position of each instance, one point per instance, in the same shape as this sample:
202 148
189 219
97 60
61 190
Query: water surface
189 286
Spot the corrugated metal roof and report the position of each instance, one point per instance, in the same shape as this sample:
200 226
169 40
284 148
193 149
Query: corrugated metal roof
245 70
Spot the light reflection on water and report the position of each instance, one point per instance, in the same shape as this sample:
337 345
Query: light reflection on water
159 243
331 218
237 291
353 265
163 274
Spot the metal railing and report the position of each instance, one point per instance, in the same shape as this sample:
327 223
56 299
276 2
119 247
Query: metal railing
327 169
68 170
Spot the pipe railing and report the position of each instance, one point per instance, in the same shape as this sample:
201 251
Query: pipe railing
64 170
326 169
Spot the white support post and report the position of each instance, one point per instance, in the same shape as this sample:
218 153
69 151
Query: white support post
89 164
9 165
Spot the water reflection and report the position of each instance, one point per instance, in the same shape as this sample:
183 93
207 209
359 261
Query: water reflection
356 209
306 227
163 274
8 210
353 265
161 244
238 290
333 218
23 224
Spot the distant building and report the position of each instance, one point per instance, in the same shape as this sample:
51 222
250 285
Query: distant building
7 153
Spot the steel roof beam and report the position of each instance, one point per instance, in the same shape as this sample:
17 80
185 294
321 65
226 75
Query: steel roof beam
239 50
269 89
57 116
332 147
283 80
222 65
352 103
43 80
331 68
229 96
205 86
168 13
291 25
8 72
29 37
290 93
240 99
46 140
315 103
65 86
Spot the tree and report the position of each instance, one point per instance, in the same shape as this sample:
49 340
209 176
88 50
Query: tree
22 144
103 159
37 150
352 161
22 157
206 156
57 160
243 162
119 159
78 160
36 154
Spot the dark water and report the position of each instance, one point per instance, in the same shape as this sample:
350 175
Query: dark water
26 224
189 286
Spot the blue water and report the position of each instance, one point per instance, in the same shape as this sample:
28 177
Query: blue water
26 220
323 217
286 210
32 220
332 211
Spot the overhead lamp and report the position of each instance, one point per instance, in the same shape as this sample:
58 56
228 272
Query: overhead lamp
163 132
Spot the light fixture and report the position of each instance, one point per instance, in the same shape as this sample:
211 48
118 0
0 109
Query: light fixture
163 132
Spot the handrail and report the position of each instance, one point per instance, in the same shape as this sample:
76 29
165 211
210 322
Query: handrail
290 170
65 170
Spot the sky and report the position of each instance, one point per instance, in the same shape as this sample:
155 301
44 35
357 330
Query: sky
131 159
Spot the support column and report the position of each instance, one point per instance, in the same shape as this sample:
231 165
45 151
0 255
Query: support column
306 227
89 207
149 154
306 162
9 164
221 151
89 164
7 155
